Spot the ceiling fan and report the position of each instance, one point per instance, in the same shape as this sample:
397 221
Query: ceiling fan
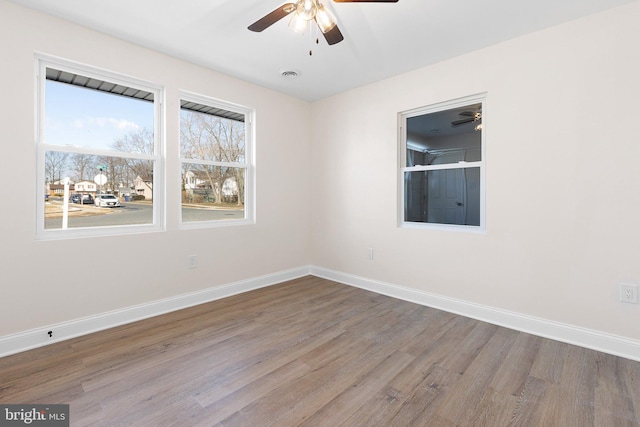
471 116
305 11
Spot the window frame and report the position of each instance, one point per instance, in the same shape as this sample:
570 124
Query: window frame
480 98
248 165
42 62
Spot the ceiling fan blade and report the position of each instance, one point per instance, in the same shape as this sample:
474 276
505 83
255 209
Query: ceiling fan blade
462 122
273 17
366 1
333 36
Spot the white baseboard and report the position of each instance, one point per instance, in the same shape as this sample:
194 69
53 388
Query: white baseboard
607 343
595 340
39 337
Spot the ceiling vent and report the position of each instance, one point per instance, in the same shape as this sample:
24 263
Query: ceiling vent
290 74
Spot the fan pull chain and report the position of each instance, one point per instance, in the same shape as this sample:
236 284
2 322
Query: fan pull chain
313 33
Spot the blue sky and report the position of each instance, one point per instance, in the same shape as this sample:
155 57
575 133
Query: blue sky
89 118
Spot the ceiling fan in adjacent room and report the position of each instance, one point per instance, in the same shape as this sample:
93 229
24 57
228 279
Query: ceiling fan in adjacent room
469 117
306 10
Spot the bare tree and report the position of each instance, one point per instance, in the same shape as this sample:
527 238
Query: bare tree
55 163
214 138
140 141
82 165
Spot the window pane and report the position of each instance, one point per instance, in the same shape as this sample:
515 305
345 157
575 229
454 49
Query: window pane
443 137
88 118
212 192
130 181
450 196
210 137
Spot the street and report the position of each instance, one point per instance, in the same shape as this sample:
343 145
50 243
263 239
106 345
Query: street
131 213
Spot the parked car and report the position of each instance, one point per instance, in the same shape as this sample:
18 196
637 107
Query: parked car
84 199
107 201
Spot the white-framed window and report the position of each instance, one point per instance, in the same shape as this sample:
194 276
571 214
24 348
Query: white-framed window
217 162
97 132
442 165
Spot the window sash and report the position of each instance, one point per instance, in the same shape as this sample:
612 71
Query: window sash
213 163
459 165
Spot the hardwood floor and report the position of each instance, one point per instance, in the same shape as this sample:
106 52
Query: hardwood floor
311 352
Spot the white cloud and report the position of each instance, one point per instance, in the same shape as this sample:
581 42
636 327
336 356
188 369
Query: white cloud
119 124
123 124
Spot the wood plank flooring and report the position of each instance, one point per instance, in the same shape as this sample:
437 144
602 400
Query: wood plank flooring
311 352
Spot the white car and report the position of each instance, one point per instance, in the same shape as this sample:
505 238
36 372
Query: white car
107 201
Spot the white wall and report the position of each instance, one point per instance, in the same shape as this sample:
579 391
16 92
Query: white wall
37 287
563 189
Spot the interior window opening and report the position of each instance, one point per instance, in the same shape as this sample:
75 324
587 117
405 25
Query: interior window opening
443 165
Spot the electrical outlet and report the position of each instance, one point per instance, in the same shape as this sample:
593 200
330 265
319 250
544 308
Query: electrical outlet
193 261
629 293
369 253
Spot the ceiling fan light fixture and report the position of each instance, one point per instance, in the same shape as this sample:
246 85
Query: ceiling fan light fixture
325 19
306 9
298 23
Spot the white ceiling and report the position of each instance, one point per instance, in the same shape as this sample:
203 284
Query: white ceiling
381 39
